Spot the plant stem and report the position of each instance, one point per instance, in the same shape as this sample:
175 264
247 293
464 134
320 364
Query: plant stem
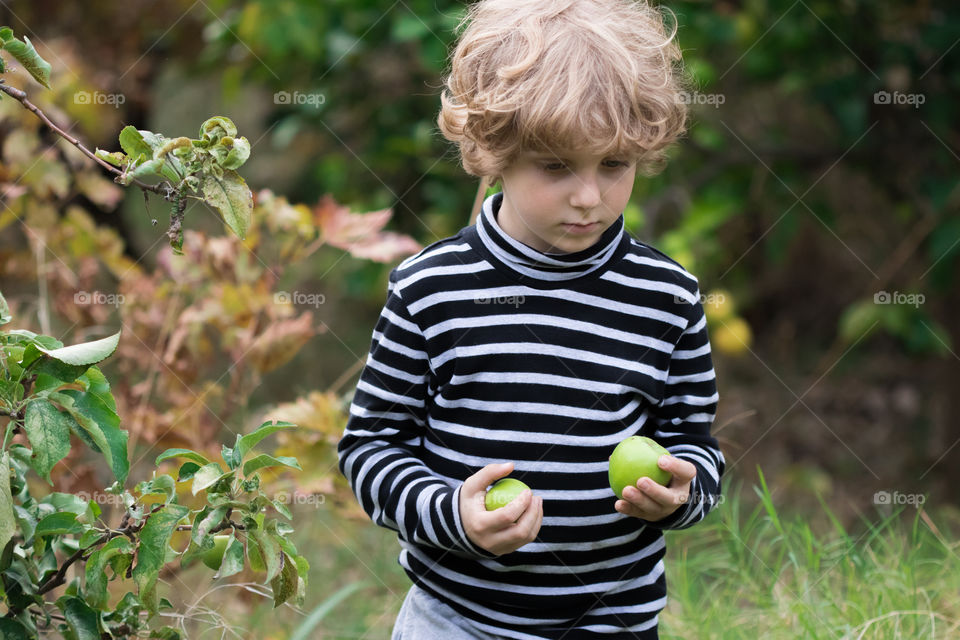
161 189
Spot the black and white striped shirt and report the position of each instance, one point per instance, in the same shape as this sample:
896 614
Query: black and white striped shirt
490 351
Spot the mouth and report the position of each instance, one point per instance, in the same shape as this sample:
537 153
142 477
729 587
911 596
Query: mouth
580 227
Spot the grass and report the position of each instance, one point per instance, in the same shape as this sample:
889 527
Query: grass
751 570
768 573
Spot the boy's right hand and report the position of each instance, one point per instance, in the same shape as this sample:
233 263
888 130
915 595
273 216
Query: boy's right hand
505 529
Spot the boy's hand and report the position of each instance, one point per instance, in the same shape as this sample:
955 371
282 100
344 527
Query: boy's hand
651 501
505 529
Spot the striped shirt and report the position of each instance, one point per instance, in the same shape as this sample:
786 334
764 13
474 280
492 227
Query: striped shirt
490 351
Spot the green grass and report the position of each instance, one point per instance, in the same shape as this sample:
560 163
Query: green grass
752 570
767 573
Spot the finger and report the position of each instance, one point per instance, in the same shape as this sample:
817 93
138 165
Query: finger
478 482
629 509
683 471
640 499
511 512
528 523
656 493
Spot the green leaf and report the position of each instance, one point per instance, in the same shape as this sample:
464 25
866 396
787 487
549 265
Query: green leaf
206 520
116 158
49 433
161 485
13 630
238 154
26 55
152 554
83 620
59 523
207 476
4 309
86 353
134 145
96 569
182 453
247 442
232 198
152 167
263 461
232 559
230 456
100 424
8 525
187 471
165 633
285 583
270 552
217 127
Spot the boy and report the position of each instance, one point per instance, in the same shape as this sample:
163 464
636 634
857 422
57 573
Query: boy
536 340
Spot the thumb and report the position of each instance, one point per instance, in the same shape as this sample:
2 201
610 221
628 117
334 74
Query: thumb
478 482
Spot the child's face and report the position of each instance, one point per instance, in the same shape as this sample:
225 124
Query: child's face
563 202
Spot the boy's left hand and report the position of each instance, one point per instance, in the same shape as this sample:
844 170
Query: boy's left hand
651 501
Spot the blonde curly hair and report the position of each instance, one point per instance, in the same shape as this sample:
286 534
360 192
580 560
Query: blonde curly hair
549 75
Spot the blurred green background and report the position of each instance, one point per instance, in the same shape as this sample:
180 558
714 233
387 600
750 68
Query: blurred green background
816 193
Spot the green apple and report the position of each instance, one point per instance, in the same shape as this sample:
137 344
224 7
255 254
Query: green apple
635 458
503 492
214 557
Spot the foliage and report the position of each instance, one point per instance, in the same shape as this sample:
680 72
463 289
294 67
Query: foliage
50 391
185 166
772 571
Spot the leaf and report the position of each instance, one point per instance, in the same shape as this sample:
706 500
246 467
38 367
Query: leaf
206 520
281 342
100 425
232 558
247 442
4 310
238 154
232 198
49 433
26 55
182 453
96 569
8 525
59 523
86 353
13 630
217 127
270 552
361 233
305 630
263 461
207 476
116 158
152 552
134 145
285 583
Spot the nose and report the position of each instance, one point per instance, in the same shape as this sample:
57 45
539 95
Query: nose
586 194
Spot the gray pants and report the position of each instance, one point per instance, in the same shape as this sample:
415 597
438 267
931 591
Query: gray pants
423 617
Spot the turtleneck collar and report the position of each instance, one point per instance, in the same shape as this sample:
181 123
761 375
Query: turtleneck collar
537 265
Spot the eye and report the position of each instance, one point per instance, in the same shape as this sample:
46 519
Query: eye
615 164
553 167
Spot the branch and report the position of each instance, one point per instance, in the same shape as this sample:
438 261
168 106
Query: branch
162 189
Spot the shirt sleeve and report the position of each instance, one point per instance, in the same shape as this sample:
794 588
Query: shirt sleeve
378 450
684 416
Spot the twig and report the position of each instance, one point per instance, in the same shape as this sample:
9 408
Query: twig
162 189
